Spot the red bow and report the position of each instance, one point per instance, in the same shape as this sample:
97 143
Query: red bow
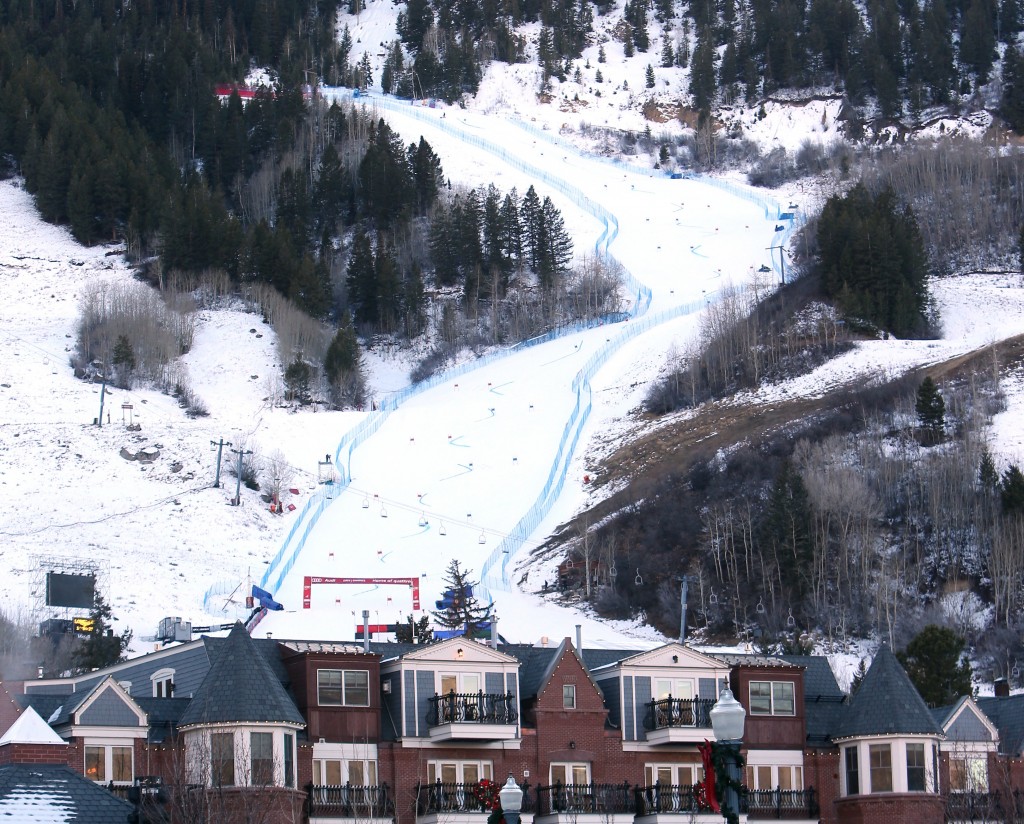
706 788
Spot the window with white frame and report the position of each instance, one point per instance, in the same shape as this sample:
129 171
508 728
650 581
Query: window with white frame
459 772
917 772
673 775
569 696
673 688
880 765
163 683
570 773
261 759
464 683
852 767
343 688
333 772
968 773
104 764
775 777
772 698
222 759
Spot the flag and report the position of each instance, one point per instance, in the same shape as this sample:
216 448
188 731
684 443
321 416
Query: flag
265 598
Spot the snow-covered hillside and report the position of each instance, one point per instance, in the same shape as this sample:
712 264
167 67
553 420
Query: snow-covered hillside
469 457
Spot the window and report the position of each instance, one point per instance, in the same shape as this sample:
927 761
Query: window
772 698
458 772
570 773
289 760
222 759
463 683
673 688
880 756
852 771
569 696
261 759
968 774
343 688
679 775
915 768
163 683
105 764
782 777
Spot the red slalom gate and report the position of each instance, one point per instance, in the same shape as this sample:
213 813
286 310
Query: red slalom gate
309 580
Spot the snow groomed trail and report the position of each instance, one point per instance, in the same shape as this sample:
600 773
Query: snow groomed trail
471 463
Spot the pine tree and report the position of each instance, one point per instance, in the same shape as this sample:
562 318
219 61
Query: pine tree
649 76
100 648
362 280
1011 490
410 632
935 663
668 56
343 367
459 607
931 411
556 246
858 676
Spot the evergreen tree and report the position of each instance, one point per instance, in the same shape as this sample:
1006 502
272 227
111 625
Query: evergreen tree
931 411
668 56
858 676
702 76
124 361
978 39
343 367
531 221
459 607
555 256
100 647
935 662
1011 105
414 632
649 76
361 278
1011 490
786 530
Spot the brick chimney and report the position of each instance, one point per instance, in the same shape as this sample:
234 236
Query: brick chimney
1002 687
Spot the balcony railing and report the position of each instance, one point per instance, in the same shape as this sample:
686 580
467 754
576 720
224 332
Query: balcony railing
781 804
585 798
348 801
985 807
678 712
472 708
683 799
442 797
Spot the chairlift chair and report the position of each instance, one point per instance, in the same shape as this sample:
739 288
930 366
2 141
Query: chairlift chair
638 581
760 606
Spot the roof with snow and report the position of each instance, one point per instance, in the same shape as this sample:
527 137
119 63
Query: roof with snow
886 703
50 793
241 686
30 729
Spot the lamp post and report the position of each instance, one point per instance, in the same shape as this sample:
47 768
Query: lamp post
727 719
511 799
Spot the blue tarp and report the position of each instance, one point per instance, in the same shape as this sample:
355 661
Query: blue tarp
265 599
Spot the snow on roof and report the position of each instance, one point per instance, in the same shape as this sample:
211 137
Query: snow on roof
30 729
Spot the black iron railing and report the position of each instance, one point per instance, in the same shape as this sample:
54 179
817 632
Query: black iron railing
348 801
678 712
472 708
585 798
781 804
684 799
442 797
985 807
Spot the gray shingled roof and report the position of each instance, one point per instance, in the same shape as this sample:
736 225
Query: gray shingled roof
46 793
163 715
240 686
1007 714
886 703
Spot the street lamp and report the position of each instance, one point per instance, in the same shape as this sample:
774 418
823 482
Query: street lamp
511 799
727 719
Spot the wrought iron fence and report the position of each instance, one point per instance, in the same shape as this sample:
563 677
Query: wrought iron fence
348 801
984 807
781 804
679 712
585 798
446 797
472 708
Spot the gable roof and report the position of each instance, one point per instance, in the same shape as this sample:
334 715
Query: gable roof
240 686
886 703
30 729
46 793
1007 714
472 651
656 657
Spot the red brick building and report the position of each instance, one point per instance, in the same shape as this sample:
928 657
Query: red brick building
243 729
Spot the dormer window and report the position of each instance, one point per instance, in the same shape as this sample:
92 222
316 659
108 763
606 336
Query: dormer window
163 683
343 688
772 698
